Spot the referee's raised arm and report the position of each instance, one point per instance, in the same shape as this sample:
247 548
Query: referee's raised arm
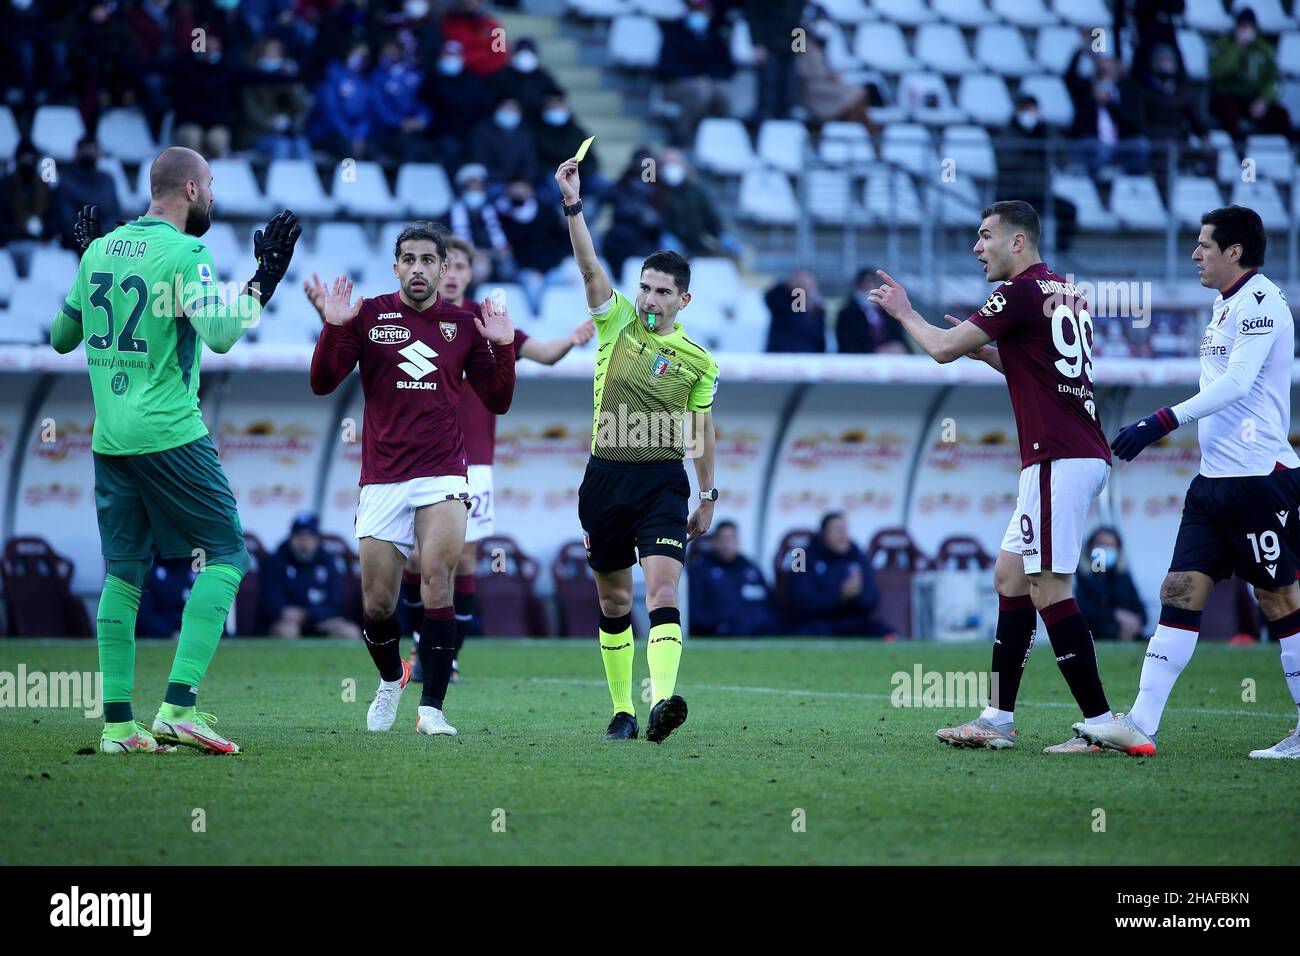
594 278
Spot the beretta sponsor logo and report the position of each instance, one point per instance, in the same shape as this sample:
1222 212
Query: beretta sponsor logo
389 334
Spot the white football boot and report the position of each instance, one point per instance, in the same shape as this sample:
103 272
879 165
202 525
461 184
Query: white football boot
432 722
383 709
1288 748
1119 734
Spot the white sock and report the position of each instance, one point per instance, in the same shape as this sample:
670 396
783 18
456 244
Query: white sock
1291 670
390 684
1167 654
998 716
1100 718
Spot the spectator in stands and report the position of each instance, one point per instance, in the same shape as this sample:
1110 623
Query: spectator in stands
824 93
35 52
481 36
1244 82
458 98
475 220
798 315
861 327
1103 114
163 597
527 82
275 104
728 595
537 235
637 226
343 121
557 136
84 184
349 23
27 202
401 118
694 225
1155 27
771 32
203 100
1024 163
1170 114
503 145
109 76
301 588
1105 590
164 33
835 594
695 68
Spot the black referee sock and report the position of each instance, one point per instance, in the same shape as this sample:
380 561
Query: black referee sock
1017 626
465 602
383 641
1076 656
437 651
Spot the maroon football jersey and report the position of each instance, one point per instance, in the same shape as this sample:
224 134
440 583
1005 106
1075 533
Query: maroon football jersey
1044 334
412 367
477 424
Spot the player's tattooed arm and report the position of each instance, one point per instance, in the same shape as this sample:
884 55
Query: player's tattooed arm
942 345
594 278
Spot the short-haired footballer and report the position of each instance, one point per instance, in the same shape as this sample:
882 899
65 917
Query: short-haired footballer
1044 336
1240 515
415 350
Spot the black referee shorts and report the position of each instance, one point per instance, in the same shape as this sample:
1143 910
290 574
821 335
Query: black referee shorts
631 508
1248 526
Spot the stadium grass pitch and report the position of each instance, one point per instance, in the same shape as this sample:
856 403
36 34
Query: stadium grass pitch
780 733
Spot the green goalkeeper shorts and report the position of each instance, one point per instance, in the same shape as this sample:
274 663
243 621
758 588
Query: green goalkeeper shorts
176 503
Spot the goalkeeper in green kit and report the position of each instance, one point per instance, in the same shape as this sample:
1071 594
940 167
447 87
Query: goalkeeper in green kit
146 296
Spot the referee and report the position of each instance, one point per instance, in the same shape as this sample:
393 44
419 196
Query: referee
634 497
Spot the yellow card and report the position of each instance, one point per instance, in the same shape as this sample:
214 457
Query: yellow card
582 150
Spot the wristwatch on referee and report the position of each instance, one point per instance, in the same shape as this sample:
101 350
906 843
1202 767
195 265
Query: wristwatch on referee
573 208
710 495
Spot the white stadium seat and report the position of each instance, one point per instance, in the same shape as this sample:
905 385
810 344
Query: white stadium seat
1193 196
715 273
1273 157
1288 55
722 145
517 299
345 241
293 322
910 146
965 13
235 189
53 267
910 13
227 254
362 190
1002 49
423 190
984 97
1135 203
1268 13
881 45
1262 196
8 276
31 310
972 150
781 143
563 307
1207 16
742 44
847 11
828 196
1229 163
940 47
892 198
124 133
56 130
1025 13
126 198
661 9
602 9
634 41
844 143
956 203
9 134
295 184
1082 191
1054 47
1195 53
925 98
1053 98
1084 13
767 197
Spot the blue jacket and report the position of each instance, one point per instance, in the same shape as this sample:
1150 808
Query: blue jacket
343 104
395 96
314 585
163 597
815 591
729 600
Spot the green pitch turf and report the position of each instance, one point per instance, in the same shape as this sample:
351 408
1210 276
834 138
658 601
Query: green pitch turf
780 733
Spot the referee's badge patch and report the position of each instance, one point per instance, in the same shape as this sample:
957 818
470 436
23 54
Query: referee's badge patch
660 366
448 330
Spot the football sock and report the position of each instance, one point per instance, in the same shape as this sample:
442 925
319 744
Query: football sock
1287 633
122 730
437 651
119 603
663 651
1167 654
466 603
383 641
412 603
203 622
617 651
1017 626
1076 657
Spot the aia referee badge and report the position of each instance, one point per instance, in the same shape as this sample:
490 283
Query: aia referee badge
660 367
448 330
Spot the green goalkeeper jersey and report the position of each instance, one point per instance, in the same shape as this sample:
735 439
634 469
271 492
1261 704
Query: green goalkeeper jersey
644 384
145 295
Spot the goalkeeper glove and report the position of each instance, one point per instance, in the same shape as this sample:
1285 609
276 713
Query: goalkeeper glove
1133 438
87 229
273 250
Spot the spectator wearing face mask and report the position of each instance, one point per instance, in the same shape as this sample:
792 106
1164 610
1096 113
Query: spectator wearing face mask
557 136
694 225
695 68
275 104
504 146
203 99
537 235
526 81
1169 112
636 227
1105 590
475 220
1023 160
771 26
344 119
458 99
1104 113
401 118
84 184
861 327
27 201
1244 82
479 34
797 314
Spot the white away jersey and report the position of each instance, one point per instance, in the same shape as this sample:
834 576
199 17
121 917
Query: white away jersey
1243 409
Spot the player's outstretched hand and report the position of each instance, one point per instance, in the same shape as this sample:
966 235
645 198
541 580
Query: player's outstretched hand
339 307
567 179
87 229
273 250
582 333
316 292
698 524
495 325
1130 441
891 296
